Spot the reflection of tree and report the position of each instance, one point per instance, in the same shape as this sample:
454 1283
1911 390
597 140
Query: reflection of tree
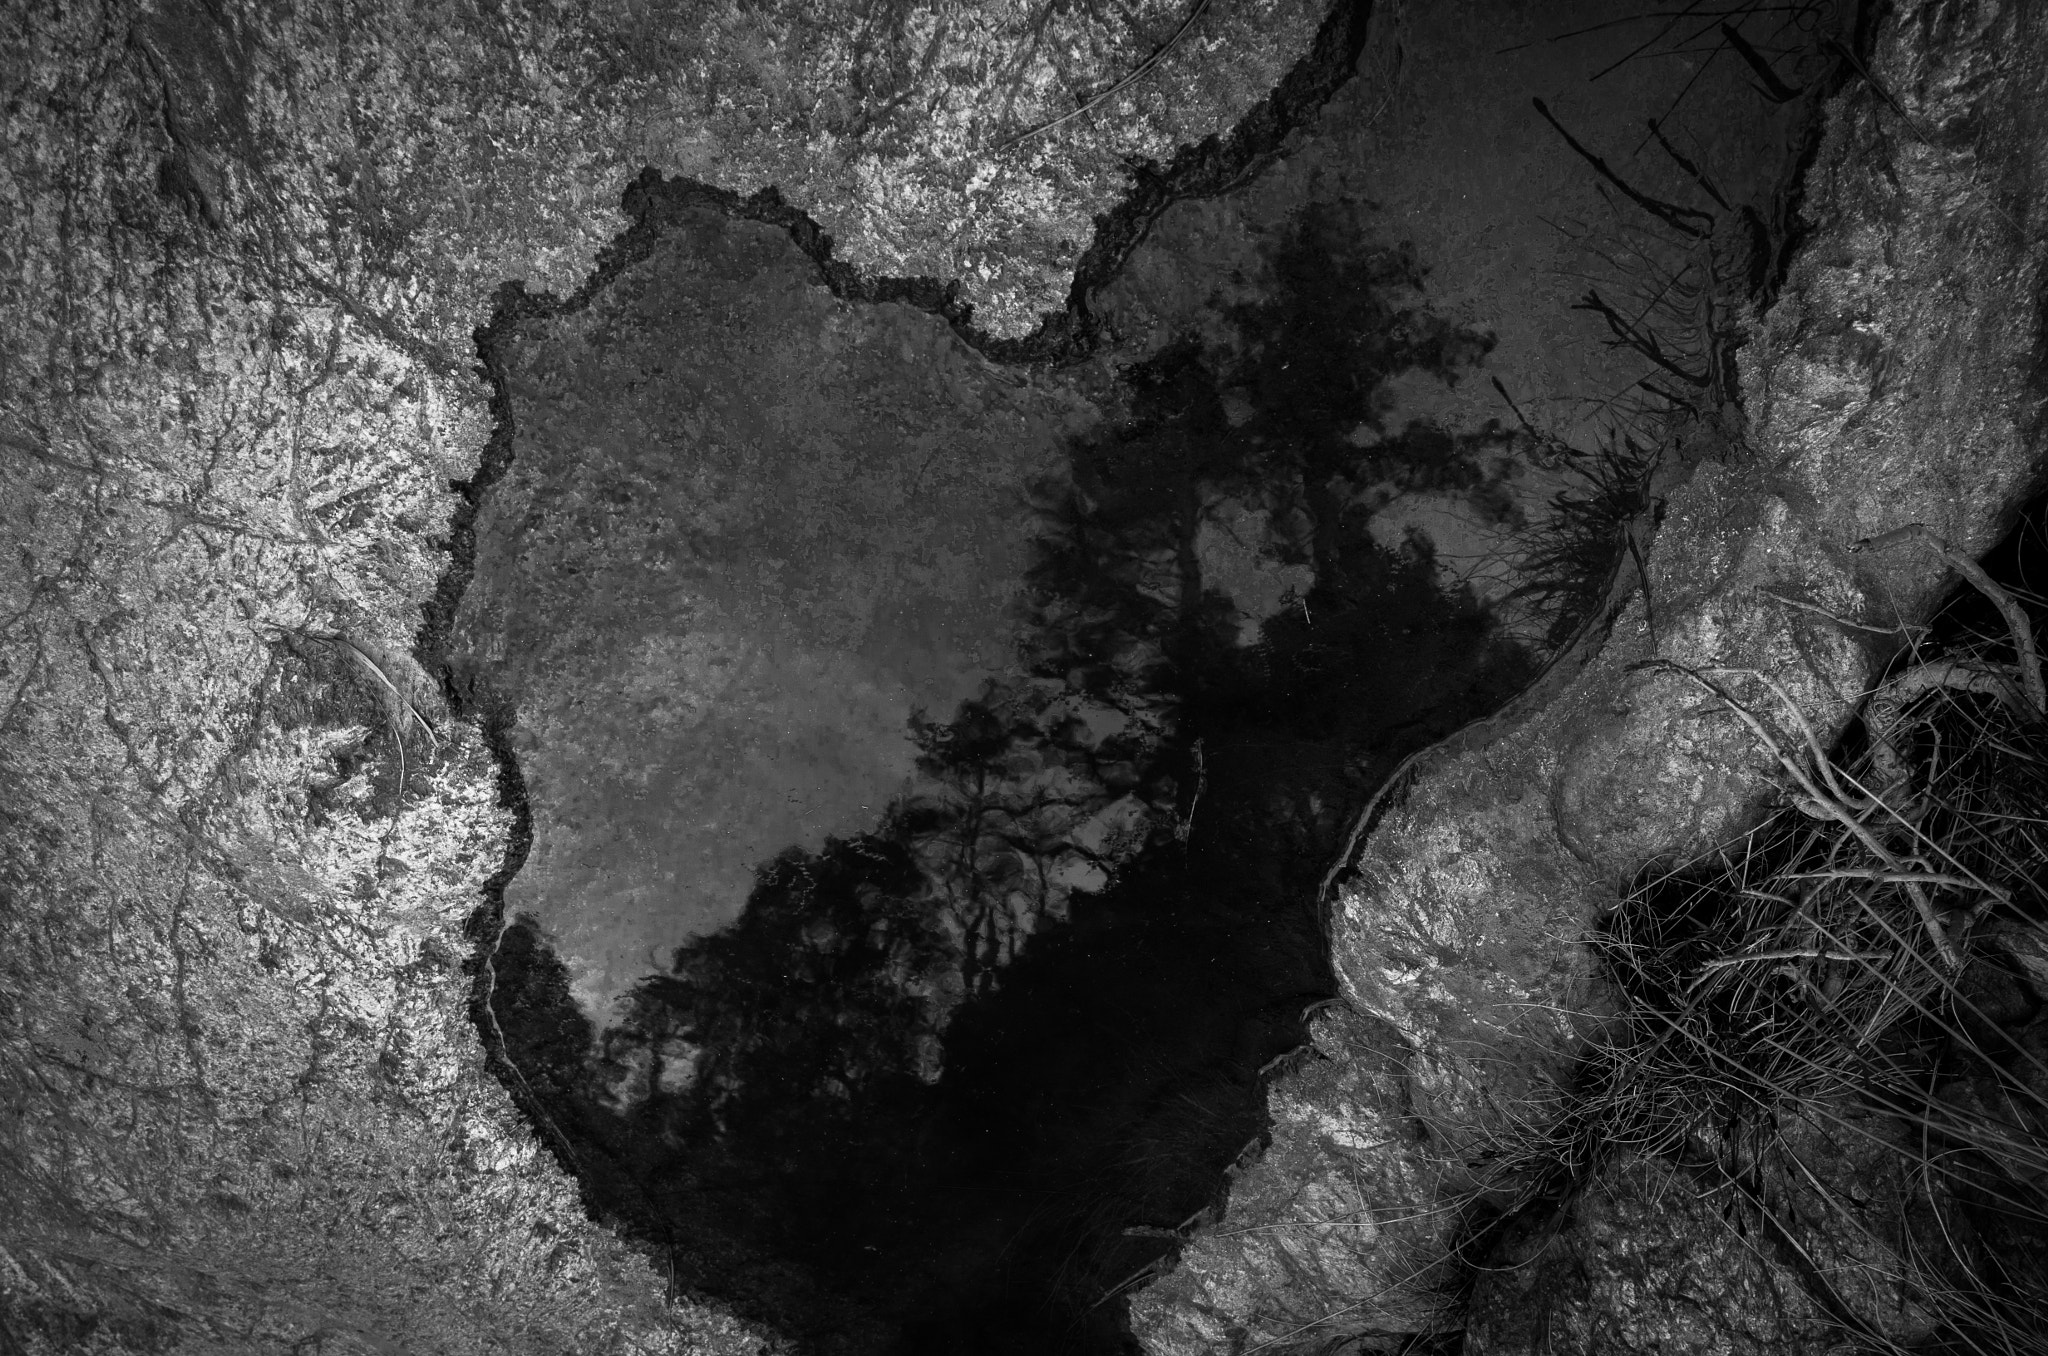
1016 815
1026 799
792 1062
838 935
1118 607
1118 587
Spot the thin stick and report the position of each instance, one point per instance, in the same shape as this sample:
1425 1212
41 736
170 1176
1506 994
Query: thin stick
2009 607
401 704
1904 878
1699 176
1828 807
1143 69
1776 90
1819 611
1804 954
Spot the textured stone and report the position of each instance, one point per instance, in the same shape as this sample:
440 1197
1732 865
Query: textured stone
473 146
1895 381
244 1107
1648 1258
242 253
1655 767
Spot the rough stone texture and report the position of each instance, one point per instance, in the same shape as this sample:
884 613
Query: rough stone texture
1650 1258
242 252
1894 382
470 145
241 1104
1650 769
748 531
896 124
242 249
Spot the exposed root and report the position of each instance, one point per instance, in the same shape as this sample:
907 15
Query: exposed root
1823 980
2009 607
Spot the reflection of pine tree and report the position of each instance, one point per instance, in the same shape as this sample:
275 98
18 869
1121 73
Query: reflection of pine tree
1013 777
1096 622
813 992
774 1089
1343 321
848 961
1138 502
1121 619
1117 589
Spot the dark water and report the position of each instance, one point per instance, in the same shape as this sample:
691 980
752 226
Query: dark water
1098 1077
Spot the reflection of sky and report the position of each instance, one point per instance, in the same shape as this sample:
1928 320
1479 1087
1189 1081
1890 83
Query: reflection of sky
665 806
1235 545
749 532
727 583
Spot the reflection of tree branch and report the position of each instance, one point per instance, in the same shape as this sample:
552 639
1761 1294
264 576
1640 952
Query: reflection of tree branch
1774 89
1642 341
1678 218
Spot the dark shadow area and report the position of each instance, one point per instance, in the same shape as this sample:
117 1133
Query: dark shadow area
919 1100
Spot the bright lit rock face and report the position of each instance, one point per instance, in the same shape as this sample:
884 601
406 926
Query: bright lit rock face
933 139
244 1104
243 250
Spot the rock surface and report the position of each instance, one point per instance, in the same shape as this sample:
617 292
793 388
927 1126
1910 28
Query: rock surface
245 1107
1874 399
242 253
1651 1260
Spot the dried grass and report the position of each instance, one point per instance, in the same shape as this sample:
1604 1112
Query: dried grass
1824 980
